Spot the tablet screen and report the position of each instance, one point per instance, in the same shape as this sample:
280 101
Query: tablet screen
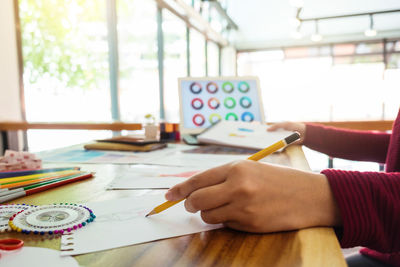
205 102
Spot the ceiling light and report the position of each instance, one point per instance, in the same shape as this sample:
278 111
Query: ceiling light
316 37
370 32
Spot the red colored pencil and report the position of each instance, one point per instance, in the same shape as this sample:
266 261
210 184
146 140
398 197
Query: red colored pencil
49 186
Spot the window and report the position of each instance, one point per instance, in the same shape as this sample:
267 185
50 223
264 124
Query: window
344 82
65 60
138 64
212 59
355 91
391 93
335 78
175 64
228 61
197 54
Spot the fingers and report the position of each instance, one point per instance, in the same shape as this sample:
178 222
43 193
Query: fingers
206 178
277 126
208 198
219 215
238 226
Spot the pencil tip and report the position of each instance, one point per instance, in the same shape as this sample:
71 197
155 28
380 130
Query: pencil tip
150 213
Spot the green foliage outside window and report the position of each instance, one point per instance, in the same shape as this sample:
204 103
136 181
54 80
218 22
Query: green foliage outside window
64 40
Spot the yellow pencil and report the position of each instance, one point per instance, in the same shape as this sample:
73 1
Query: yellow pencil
33 176
256 157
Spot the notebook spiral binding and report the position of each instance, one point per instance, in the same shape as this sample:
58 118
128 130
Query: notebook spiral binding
67 242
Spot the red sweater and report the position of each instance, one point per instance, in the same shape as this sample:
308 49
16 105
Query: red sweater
369 202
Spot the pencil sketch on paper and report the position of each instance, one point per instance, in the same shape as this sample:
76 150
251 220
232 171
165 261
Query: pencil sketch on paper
121 216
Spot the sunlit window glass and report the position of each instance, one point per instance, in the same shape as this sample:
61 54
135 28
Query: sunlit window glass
197 54
175 64
65 73
212 59
138 65
65 54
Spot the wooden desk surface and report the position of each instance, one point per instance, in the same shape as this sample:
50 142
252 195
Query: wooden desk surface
223 247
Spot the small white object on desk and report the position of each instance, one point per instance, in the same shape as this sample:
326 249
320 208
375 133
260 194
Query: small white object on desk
35 257
151 131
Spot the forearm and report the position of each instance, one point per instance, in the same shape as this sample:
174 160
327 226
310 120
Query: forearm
312 204
369 203
347 144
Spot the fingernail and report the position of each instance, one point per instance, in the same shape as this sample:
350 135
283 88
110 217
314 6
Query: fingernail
190 209
169 195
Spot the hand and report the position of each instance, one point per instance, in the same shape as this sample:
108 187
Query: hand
257 197
291 126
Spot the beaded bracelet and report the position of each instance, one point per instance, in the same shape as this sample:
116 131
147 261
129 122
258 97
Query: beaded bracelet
51 219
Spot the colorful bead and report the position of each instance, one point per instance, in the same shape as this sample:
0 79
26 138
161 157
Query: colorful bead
15 224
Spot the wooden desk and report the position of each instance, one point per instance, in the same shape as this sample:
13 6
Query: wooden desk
223 247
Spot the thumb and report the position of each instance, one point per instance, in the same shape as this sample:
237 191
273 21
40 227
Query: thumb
277 126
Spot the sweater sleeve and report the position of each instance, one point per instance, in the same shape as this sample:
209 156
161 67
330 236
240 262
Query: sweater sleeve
369 204
348 144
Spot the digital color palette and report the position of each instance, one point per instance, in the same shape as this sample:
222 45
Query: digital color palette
205 102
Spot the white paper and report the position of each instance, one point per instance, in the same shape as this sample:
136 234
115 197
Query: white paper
129 182
35 257
203 161
242 134
78 154
122 222
152 177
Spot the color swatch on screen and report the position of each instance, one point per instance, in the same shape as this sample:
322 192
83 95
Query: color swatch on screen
205 102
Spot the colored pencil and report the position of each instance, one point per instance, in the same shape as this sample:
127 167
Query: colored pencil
36 171
16 184
7 192
37 184
34 176
22 193
40 183
11 185
256 157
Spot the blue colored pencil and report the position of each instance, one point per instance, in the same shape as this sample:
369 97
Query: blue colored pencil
29 172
